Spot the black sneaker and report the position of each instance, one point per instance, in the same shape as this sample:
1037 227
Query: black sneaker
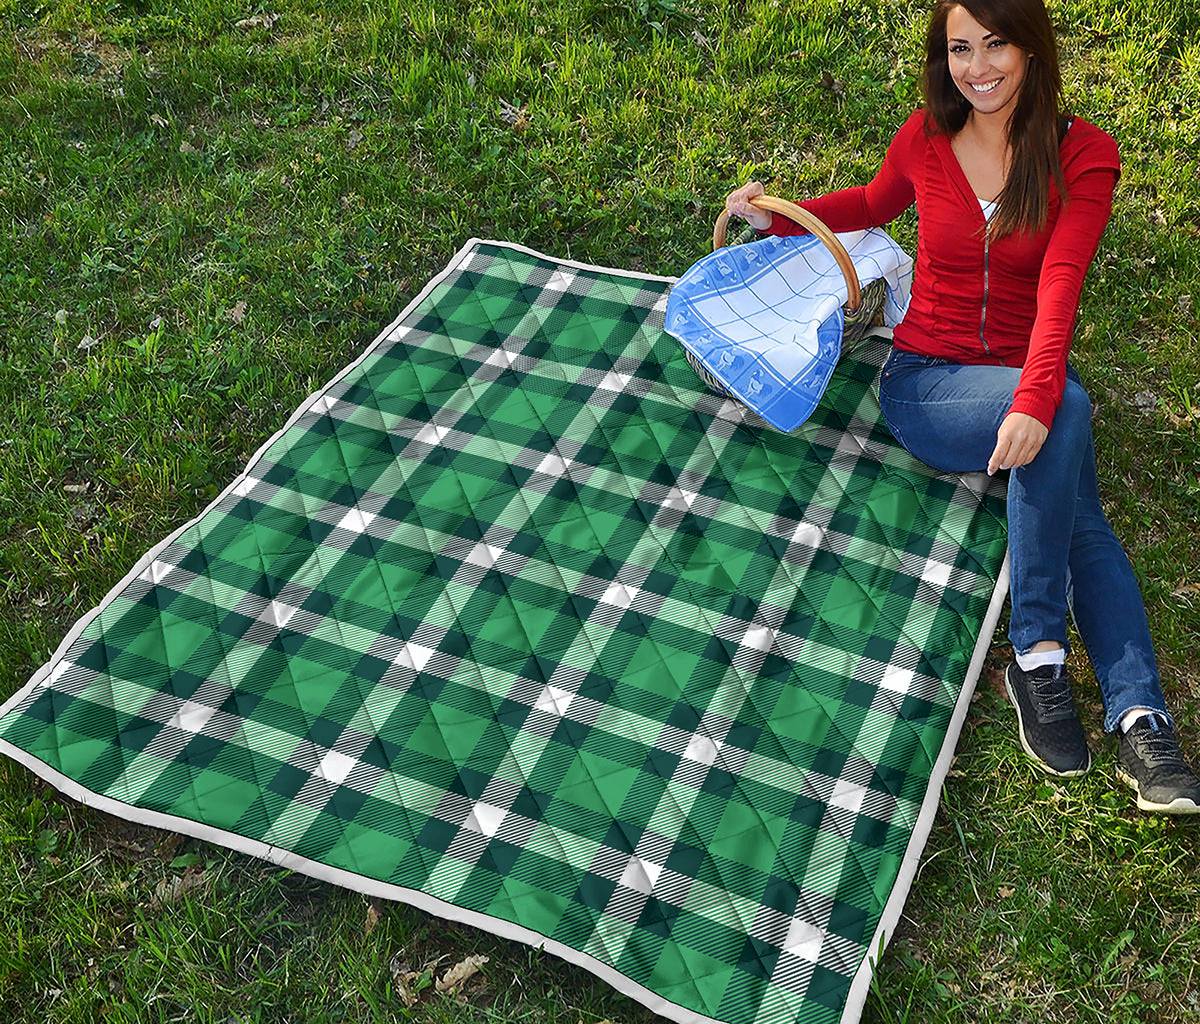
1050 729
1149 760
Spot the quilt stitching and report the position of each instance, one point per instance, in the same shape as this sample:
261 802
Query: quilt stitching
517 616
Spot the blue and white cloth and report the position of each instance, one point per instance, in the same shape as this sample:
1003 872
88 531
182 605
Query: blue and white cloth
766 320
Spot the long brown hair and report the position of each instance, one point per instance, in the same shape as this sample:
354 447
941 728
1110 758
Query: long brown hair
1036 124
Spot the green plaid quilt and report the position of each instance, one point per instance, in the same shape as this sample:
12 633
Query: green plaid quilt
516 622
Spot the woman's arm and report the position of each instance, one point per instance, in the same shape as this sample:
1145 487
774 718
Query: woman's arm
1072 247
880 201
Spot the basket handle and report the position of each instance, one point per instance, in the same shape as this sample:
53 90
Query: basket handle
806 220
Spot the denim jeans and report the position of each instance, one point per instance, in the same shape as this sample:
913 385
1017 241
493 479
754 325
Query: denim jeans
1061 547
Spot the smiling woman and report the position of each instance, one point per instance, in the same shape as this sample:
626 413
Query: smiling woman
997 91
987 69
1012 198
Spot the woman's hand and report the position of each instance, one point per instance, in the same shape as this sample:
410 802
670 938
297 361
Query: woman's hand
1018 441
737 204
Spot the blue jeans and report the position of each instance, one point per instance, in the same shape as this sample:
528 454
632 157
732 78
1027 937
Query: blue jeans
1061 547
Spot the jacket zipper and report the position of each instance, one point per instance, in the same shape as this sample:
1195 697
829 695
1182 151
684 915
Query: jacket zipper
983 308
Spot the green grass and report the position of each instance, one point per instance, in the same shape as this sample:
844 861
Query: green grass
200 223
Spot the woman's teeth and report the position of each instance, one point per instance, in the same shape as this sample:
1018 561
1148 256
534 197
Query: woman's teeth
986 88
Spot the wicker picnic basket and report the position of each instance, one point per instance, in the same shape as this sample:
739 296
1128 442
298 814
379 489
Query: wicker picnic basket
863 306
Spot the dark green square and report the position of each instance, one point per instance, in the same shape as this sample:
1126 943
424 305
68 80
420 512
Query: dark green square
437 835
345 803
288 781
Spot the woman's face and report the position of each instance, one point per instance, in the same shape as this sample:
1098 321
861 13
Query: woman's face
987 69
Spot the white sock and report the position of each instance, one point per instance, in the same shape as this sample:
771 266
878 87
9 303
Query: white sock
1036 659
1130 717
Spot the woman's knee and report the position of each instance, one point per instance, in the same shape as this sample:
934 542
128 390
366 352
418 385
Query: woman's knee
1071 430
1076 402
1074 415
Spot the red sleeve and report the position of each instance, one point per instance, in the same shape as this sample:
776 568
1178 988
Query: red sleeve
888 194
1069 253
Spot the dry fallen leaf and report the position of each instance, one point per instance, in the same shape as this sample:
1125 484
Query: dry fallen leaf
158 120
831 84
257 21
186 147
238 313
354 139
170 889
87 341
512 115
460 972
404 989
1005 891
374 912
404 978
1145 400
75 488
